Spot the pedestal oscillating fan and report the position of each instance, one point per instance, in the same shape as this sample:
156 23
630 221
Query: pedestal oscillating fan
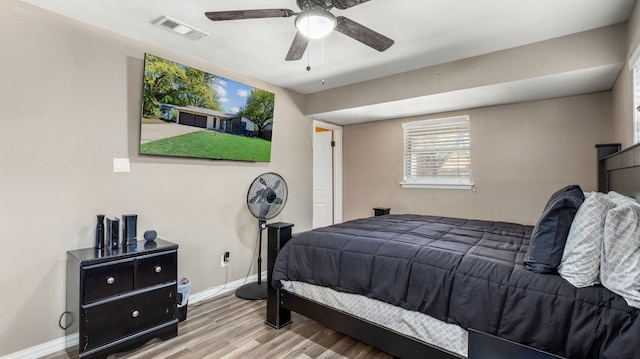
266 197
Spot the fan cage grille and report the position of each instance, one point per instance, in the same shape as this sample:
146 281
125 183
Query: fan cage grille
267 195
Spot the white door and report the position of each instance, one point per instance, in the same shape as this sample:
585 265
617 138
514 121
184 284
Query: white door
322 178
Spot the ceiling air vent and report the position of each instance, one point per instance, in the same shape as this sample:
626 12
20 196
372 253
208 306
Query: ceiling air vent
178 27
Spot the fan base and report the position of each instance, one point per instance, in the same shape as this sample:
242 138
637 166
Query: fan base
252 291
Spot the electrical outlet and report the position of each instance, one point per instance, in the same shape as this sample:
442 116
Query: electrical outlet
224 260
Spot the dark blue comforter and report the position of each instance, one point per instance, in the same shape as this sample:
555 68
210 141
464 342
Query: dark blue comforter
466 272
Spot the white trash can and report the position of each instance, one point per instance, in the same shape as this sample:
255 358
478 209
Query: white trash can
183 297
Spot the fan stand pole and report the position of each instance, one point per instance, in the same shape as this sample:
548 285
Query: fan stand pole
263 225
256 290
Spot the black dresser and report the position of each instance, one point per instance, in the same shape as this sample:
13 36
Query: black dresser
119 299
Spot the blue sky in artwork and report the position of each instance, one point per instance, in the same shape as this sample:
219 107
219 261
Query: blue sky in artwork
233 95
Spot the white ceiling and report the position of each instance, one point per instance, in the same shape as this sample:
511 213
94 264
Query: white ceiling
426 33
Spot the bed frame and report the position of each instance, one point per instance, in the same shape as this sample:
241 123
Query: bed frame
619 172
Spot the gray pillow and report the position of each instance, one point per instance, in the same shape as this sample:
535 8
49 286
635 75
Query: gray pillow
580 263
620 262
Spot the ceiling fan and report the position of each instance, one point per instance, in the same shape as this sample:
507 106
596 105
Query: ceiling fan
315 20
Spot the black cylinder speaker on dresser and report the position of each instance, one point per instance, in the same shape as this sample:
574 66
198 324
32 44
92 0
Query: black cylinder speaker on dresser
129 229
113 232
100 232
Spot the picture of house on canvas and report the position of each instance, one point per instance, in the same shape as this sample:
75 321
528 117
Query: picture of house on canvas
191 113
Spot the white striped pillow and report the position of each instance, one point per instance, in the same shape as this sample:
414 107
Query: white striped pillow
620 264
580 264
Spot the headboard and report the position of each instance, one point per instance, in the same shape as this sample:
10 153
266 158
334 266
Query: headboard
622 172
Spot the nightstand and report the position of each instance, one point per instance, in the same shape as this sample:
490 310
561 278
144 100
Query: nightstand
381 211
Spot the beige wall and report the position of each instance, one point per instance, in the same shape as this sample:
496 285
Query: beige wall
521 154
622 114
69 103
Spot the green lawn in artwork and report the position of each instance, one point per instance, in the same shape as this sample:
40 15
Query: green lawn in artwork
210 144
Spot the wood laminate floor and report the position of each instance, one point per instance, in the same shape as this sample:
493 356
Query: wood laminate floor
234 328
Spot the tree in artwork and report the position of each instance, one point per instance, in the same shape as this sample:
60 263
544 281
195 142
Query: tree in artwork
259 109
171 83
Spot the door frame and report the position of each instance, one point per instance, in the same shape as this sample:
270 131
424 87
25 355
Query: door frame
337 165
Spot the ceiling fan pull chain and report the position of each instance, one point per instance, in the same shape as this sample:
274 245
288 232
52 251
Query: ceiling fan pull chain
322 61
308 55
309 47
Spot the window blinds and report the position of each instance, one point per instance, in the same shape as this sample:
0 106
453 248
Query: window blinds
438 151
636 101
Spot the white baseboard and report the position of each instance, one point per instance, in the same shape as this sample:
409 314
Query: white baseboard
43 349
59 344
221 290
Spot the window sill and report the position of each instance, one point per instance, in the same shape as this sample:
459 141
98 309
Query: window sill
438 185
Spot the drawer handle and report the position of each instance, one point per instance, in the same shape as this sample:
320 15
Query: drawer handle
111 280
158 269
135 314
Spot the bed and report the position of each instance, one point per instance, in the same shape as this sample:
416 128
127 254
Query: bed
415 285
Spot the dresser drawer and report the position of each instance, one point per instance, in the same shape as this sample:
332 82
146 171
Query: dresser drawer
106 280
156 269
108 321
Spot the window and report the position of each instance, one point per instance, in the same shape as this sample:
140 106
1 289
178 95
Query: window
635 74
437 153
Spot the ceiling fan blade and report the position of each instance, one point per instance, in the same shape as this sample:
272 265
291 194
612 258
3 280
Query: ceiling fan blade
345 4
363 34
298 47
248 14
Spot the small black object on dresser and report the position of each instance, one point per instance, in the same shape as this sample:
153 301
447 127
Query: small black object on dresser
120 298
150 235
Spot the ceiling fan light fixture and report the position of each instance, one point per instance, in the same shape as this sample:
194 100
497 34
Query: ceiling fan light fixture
315 23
